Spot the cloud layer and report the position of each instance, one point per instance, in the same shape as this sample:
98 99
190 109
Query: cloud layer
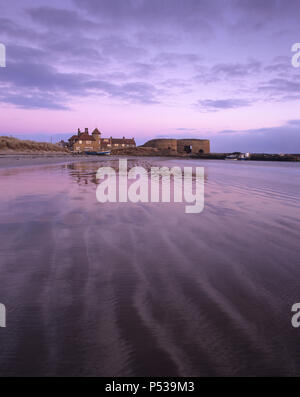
188 61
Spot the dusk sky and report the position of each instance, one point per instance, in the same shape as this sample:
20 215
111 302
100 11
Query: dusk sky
216 69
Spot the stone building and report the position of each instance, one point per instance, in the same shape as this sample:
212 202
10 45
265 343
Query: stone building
84 142
181 145
193 146
117 143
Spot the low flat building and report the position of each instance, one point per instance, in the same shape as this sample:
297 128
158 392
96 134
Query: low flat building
117 143
181 146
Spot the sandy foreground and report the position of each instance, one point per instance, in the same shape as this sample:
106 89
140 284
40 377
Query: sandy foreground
20 160
145 289
24 160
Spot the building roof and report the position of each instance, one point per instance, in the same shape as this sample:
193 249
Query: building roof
73 138
83 136
86 137
96 131
129 141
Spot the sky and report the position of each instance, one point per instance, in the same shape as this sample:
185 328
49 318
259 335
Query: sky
214 69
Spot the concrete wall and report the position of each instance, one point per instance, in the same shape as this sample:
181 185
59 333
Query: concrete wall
194 145
181 145
169 144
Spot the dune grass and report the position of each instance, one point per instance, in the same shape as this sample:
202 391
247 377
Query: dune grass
10 145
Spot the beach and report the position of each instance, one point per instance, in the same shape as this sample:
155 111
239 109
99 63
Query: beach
124 289
23 160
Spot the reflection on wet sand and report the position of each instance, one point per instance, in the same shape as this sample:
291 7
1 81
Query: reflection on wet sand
145 289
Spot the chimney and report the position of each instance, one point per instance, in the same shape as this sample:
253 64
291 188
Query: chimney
79 132
123 137
86 130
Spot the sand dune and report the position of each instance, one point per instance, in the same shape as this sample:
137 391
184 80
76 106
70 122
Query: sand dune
10 145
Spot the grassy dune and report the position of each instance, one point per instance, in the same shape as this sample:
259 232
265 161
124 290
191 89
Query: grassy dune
9 145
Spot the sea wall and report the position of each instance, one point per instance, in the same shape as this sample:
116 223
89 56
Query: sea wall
180 146
193 146
162 144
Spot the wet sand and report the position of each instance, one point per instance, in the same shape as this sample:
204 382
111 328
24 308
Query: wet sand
146 289
23 160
